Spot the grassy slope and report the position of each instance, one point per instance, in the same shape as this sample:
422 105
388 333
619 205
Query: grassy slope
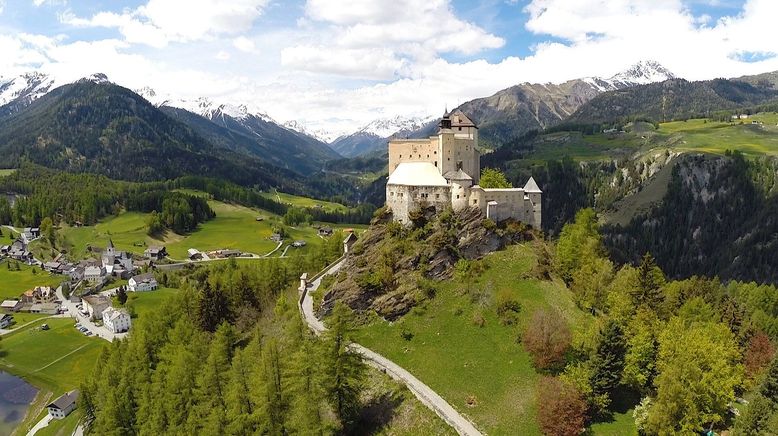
28 352
13 283
460 360
234 227
295 200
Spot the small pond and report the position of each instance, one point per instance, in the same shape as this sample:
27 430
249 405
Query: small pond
15 396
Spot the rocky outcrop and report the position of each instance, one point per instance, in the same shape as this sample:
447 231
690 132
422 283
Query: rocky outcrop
392 268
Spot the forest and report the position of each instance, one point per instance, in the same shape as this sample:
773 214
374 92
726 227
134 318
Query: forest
86 198
230 356
683 351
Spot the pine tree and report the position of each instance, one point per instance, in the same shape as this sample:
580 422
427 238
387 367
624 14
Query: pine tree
608 360
344 370
213 308
650 282
274 395
121 295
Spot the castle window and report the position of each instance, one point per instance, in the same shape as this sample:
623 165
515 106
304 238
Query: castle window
460 129
437 196
457 196
401 156
435 152
436 163
475 201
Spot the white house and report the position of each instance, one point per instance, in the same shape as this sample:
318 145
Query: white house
62 406
116 320
94 274
5 320
142 282
116 262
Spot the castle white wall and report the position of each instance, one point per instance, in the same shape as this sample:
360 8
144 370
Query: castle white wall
402 199
412 150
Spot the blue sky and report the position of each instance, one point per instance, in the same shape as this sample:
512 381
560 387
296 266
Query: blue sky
335 64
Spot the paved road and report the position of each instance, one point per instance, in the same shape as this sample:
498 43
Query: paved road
424 393
42 423
98 331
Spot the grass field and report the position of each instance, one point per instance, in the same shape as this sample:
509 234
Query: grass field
462 361
7 172
696 135
146 302
13 283
295 200
234 227
55 361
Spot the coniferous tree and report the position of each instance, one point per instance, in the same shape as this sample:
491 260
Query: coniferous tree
212 308
344 369
650 281
608 360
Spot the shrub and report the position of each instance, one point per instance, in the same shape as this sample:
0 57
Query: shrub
427 287
406 334
759 353
547 339
561 408
508 307
488 224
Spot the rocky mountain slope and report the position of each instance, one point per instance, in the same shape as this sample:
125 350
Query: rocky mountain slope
516 110
391 264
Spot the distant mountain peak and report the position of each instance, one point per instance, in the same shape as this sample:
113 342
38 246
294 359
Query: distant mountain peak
322 135
98 78
642 73
386 127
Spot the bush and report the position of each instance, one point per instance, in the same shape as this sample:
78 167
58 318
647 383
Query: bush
406 334
488 224
508 307
547 339
561 408
427 287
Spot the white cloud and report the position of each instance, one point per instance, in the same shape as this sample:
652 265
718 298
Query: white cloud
388 34
2 5
222 56
159 22
243 44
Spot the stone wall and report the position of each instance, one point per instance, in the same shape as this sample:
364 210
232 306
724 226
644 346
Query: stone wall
402 199
412 150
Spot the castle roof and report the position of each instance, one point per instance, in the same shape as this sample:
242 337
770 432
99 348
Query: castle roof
416 174
531 186
457 175
459 119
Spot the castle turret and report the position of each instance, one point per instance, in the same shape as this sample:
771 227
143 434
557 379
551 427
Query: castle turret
532 190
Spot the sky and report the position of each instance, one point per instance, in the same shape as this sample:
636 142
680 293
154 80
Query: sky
338 64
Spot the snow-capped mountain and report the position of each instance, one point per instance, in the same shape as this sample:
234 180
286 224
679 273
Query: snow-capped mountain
24 89
203 106
374 135
642 73
325 136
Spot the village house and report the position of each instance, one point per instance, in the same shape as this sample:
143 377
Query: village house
325 231
62 406
18 251
117 263
6 320
95 274
45 308
351 238
116 320
94 305
155 253
142 282
52 266
38 294
194 254
443 171
31 233
9 306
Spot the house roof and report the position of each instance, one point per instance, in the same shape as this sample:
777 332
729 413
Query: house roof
457 175
531 186
112 313
65 400
93 300
147 277
350 237
9 303
416 174
110 243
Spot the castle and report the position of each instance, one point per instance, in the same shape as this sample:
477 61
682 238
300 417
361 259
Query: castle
444 170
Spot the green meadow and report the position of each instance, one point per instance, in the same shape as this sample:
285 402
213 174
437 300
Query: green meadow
13 283
295 200
234 227
482 371
55 361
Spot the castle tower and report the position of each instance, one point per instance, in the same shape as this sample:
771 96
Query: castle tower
532 190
